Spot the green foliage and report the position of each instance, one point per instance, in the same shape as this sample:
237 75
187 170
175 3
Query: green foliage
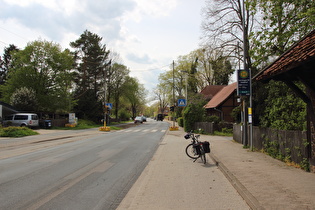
271 148
283 22
180 121
201 131
13 131
85 123
124 115
223 133
227 130
305 164
82 124
117 78
191 114
283 110
236 114
89 107
6 62
24 99
134 93
43 67
213 118
92 67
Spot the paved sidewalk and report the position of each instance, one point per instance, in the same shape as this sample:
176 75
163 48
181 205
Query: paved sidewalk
264 182
171 181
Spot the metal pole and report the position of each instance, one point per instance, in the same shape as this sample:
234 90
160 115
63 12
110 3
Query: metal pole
250 78
105 107
173 92
245 68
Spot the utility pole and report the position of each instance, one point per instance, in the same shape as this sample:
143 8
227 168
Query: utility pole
173 92
250 112
245 68
173 128
105 127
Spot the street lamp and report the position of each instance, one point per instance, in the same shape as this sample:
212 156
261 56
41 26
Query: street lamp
186 81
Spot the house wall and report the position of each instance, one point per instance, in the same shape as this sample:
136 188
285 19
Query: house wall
224 111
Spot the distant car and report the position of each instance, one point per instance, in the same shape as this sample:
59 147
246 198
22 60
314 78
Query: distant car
21 119
160 117
144 118
138 119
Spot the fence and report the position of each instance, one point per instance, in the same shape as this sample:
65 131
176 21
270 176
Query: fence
207 127
59 122
287 144
210 127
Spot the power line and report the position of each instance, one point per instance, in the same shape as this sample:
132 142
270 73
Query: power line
153 69
14 33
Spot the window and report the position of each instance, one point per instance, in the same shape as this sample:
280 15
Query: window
34 117
20 117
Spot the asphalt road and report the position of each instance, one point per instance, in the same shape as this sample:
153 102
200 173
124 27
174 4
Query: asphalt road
87 172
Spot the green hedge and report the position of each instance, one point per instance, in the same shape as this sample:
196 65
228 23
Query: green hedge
13 131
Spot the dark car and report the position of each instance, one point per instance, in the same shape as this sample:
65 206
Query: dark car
160 117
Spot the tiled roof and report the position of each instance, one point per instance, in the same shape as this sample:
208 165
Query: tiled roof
221 96
299 54
211 90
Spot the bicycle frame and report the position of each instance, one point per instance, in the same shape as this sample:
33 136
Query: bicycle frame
195 143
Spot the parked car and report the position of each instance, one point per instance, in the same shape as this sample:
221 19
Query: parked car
144 118
138 119
21 119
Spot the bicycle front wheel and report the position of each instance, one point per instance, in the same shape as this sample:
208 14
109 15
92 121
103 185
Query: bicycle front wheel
191 151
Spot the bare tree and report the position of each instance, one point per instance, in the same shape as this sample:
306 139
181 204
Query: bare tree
223 27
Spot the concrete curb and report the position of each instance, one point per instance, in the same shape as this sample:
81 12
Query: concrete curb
241 189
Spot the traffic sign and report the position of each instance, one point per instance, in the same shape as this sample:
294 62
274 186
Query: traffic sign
109 105
181 102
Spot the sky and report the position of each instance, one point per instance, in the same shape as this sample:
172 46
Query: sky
147 34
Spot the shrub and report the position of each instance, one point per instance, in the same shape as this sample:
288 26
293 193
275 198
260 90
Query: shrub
192 113
16 132
124 115
212 118
180 121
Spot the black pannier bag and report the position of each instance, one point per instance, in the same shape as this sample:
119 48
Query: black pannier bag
206 146
197 148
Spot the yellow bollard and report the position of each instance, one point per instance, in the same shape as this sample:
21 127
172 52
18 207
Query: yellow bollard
173 128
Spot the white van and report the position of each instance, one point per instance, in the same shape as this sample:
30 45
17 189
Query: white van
21 119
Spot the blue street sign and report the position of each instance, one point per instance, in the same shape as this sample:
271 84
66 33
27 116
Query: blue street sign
109 105
181 102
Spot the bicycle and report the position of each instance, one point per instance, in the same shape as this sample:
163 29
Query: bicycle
197 149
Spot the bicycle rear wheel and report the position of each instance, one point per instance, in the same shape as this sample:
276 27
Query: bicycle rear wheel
191 151
203 157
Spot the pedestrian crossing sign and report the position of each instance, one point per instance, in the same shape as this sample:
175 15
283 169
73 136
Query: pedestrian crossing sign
109 105
181 102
